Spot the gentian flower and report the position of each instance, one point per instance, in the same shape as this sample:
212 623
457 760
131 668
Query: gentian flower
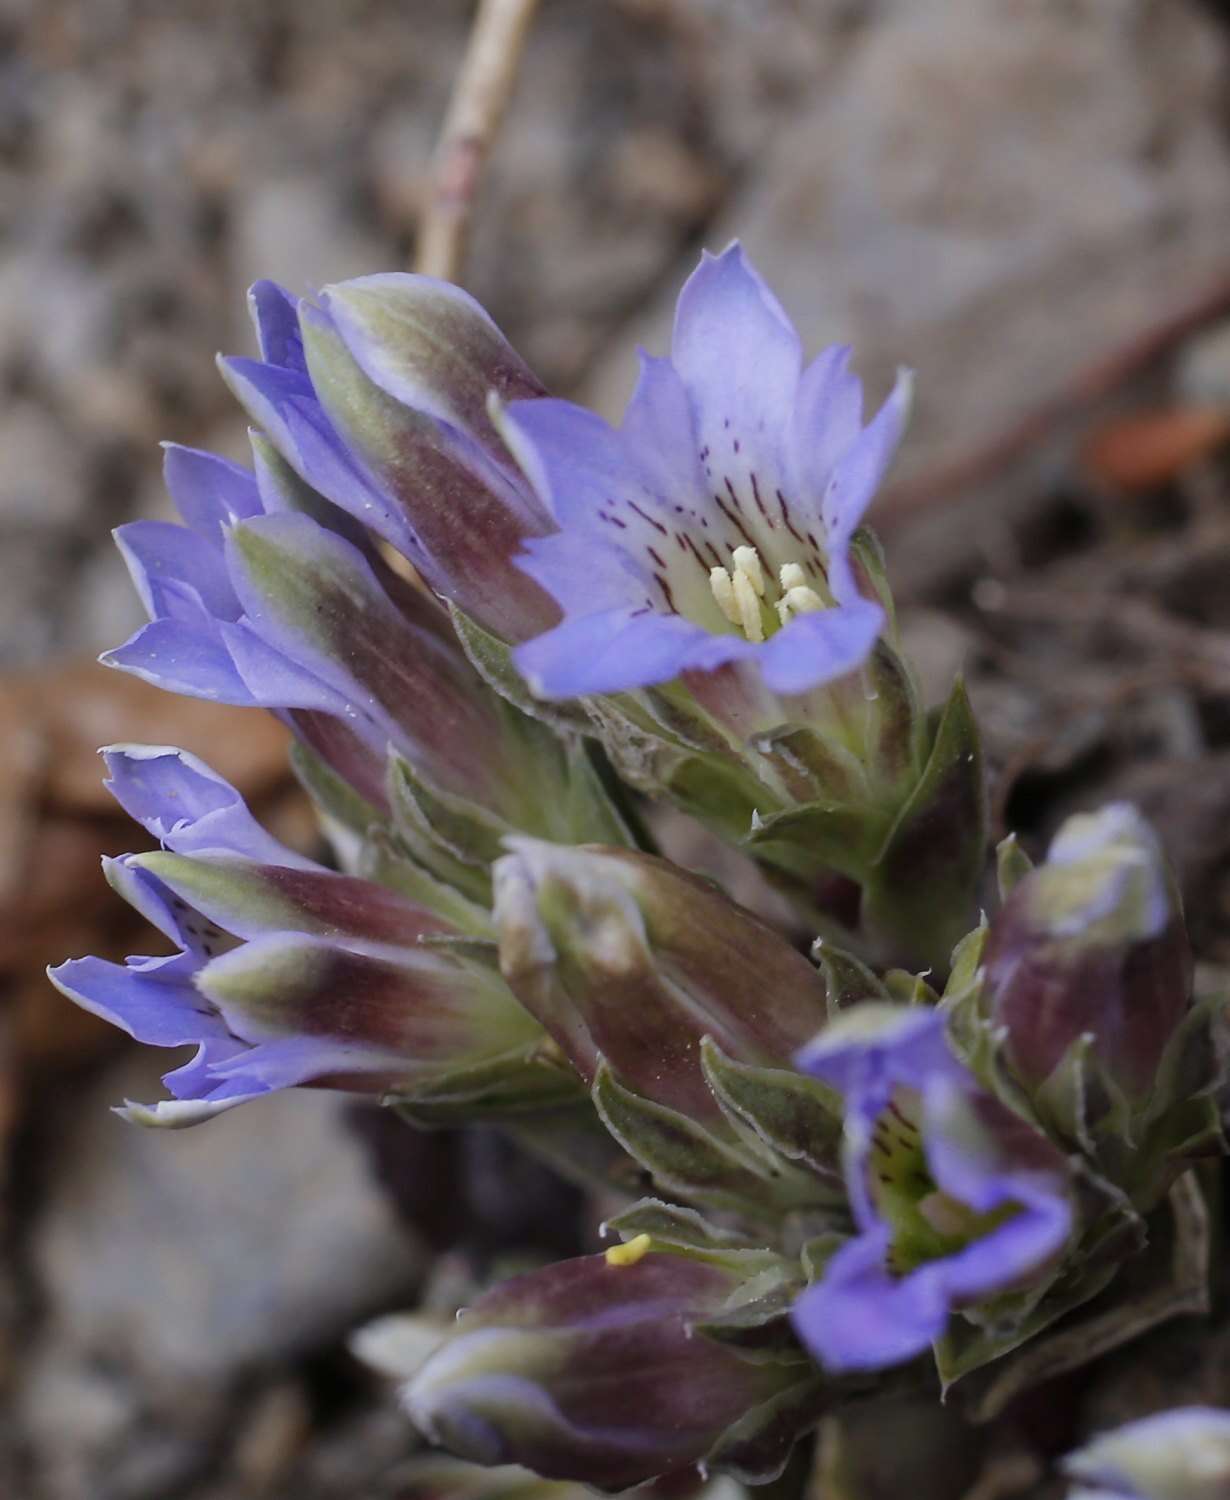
714 525
284 972
955 1198
269 597
592 1369
1182 1454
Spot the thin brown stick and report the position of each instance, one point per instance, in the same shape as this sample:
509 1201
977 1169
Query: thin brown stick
480 97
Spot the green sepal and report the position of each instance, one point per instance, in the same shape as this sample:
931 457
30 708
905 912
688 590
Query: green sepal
967 959
685 1158
492 659
1012 864
465 832
796 1116
918 898
848 981
471 876
344 816
528 1079
756 1449
811 766
684 1231
905 988
381 861
815 1253
1170 1279
756 1321
818 837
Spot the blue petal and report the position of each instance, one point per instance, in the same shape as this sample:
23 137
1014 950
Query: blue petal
610 652
860 470
209 492
189 657
861 1318
826 422
275 315
659 427
152 999
187 806
817 648
740 359
158 552
907 1047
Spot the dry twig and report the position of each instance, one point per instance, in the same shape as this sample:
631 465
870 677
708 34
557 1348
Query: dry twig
480 96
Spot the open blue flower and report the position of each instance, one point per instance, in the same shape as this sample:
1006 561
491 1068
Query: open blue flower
714 525
955 1197
283 972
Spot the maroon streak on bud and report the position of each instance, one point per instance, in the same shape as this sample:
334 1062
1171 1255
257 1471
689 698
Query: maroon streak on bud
1091 943
623 956
589 1370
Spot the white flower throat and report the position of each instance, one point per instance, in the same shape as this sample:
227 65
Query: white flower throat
741 592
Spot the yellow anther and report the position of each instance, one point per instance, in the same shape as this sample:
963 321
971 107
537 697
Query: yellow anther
747 562
749 607
803 601
628 1255
740 588
724 593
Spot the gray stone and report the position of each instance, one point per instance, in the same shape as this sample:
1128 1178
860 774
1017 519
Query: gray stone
997 195
189 1256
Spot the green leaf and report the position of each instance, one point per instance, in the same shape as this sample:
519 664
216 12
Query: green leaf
796 1115
682 1156
491 658
919 896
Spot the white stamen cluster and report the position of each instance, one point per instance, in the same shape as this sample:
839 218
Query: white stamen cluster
740 589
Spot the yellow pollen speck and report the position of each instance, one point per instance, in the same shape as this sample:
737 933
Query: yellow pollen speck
628 1255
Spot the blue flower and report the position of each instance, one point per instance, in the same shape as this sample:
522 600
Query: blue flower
955 1197
284 972
714 525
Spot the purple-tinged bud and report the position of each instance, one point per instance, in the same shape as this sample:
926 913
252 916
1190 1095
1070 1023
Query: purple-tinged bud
1090 946
593 1370
1174 1455
624 956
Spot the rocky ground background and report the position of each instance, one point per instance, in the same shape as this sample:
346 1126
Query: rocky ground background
1026 200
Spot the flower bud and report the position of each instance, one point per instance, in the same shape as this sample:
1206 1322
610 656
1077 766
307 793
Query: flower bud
1173 1455
591 1370
623 956
1091 944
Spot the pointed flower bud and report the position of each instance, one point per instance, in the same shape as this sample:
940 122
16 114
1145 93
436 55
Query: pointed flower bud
624 956
376 396
1182 1454
591 1370
956 1198
286 973
1091 944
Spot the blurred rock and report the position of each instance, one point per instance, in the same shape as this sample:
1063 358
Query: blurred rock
190 1257
998 196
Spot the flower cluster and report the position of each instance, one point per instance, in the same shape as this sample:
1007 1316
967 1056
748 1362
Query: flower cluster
501 632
